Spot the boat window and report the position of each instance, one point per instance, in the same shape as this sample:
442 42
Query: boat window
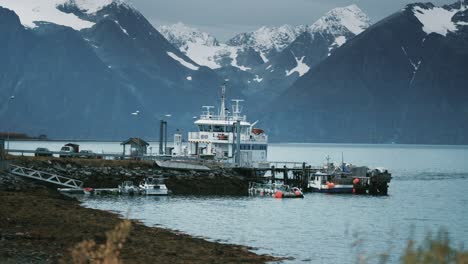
218 129
204 128
229 129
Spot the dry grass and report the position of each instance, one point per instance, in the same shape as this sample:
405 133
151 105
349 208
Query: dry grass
434 250
109 253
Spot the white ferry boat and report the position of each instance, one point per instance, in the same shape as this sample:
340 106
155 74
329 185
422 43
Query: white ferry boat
228 136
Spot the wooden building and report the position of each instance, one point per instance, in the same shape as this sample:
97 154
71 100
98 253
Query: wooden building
135 147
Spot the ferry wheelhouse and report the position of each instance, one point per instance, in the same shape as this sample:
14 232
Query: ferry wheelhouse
229 136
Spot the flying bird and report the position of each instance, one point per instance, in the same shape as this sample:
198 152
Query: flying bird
168 115
136 113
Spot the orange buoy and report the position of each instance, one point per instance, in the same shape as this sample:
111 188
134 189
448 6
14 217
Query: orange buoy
279 194
356 181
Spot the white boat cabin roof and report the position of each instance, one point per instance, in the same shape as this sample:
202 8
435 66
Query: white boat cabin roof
220 122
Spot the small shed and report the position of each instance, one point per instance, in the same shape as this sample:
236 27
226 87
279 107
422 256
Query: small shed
138 147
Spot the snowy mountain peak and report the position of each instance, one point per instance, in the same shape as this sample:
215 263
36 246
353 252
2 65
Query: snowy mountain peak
93 6
337 21
268 38
32 11
181 35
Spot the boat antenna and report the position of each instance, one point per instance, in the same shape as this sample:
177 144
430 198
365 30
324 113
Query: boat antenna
236 107
207 108
222 110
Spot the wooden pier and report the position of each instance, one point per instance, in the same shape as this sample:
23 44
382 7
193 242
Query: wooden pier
298 174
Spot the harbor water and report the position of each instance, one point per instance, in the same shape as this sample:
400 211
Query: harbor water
427 192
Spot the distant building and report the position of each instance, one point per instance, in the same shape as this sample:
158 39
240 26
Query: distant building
137 147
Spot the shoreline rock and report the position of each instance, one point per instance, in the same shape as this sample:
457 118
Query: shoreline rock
109 174
40 225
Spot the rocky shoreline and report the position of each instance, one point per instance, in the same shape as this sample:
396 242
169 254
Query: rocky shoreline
109 174
40 225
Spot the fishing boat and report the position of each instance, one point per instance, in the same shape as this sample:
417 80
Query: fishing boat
331 182
153 186
228 136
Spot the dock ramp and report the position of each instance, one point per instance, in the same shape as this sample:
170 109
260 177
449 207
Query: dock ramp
45 177
180 166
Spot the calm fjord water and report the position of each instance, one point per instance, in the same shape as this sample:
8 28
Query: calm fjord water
429 191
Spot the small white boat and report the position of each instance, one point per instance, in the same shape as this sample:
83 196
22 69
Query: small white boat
127 187
153 186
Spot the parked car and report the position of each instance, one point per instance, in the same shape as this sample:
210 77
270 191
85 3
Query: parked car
68 149
86 154
42 152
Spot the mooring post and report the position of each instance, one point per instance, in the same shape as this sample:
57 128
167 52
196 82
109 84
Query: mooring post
273 176
304 171
238 139
285 174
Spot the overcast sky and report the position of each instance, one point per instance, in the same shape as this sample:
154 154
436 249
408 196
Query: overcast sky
225 18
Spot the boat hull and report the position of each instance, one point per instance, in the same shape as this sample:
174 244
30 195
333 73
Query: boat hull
344 189
155 192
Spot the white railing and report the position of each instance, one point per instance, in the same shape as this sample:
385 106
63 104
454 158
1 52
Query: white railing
224 118
46 177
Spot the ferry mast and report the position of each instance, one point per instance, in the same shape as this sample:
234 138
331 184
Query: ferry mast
222 110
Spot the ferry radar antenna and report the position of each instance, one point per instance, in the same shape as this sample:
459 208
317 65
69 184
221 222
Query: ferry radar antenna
236 107
207 110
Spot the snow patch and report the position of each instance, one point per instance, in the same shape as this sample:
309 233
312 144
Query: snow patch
301 67
91 6
436 20
183 62
123 29
233 56
415 66
264 58
258 79
339 41
31 11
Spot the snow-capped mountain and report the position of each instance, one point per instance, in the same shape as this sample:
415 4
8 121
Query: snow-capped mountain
268 40
314 45
402 80
93 62
272 58
205 50
341 21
